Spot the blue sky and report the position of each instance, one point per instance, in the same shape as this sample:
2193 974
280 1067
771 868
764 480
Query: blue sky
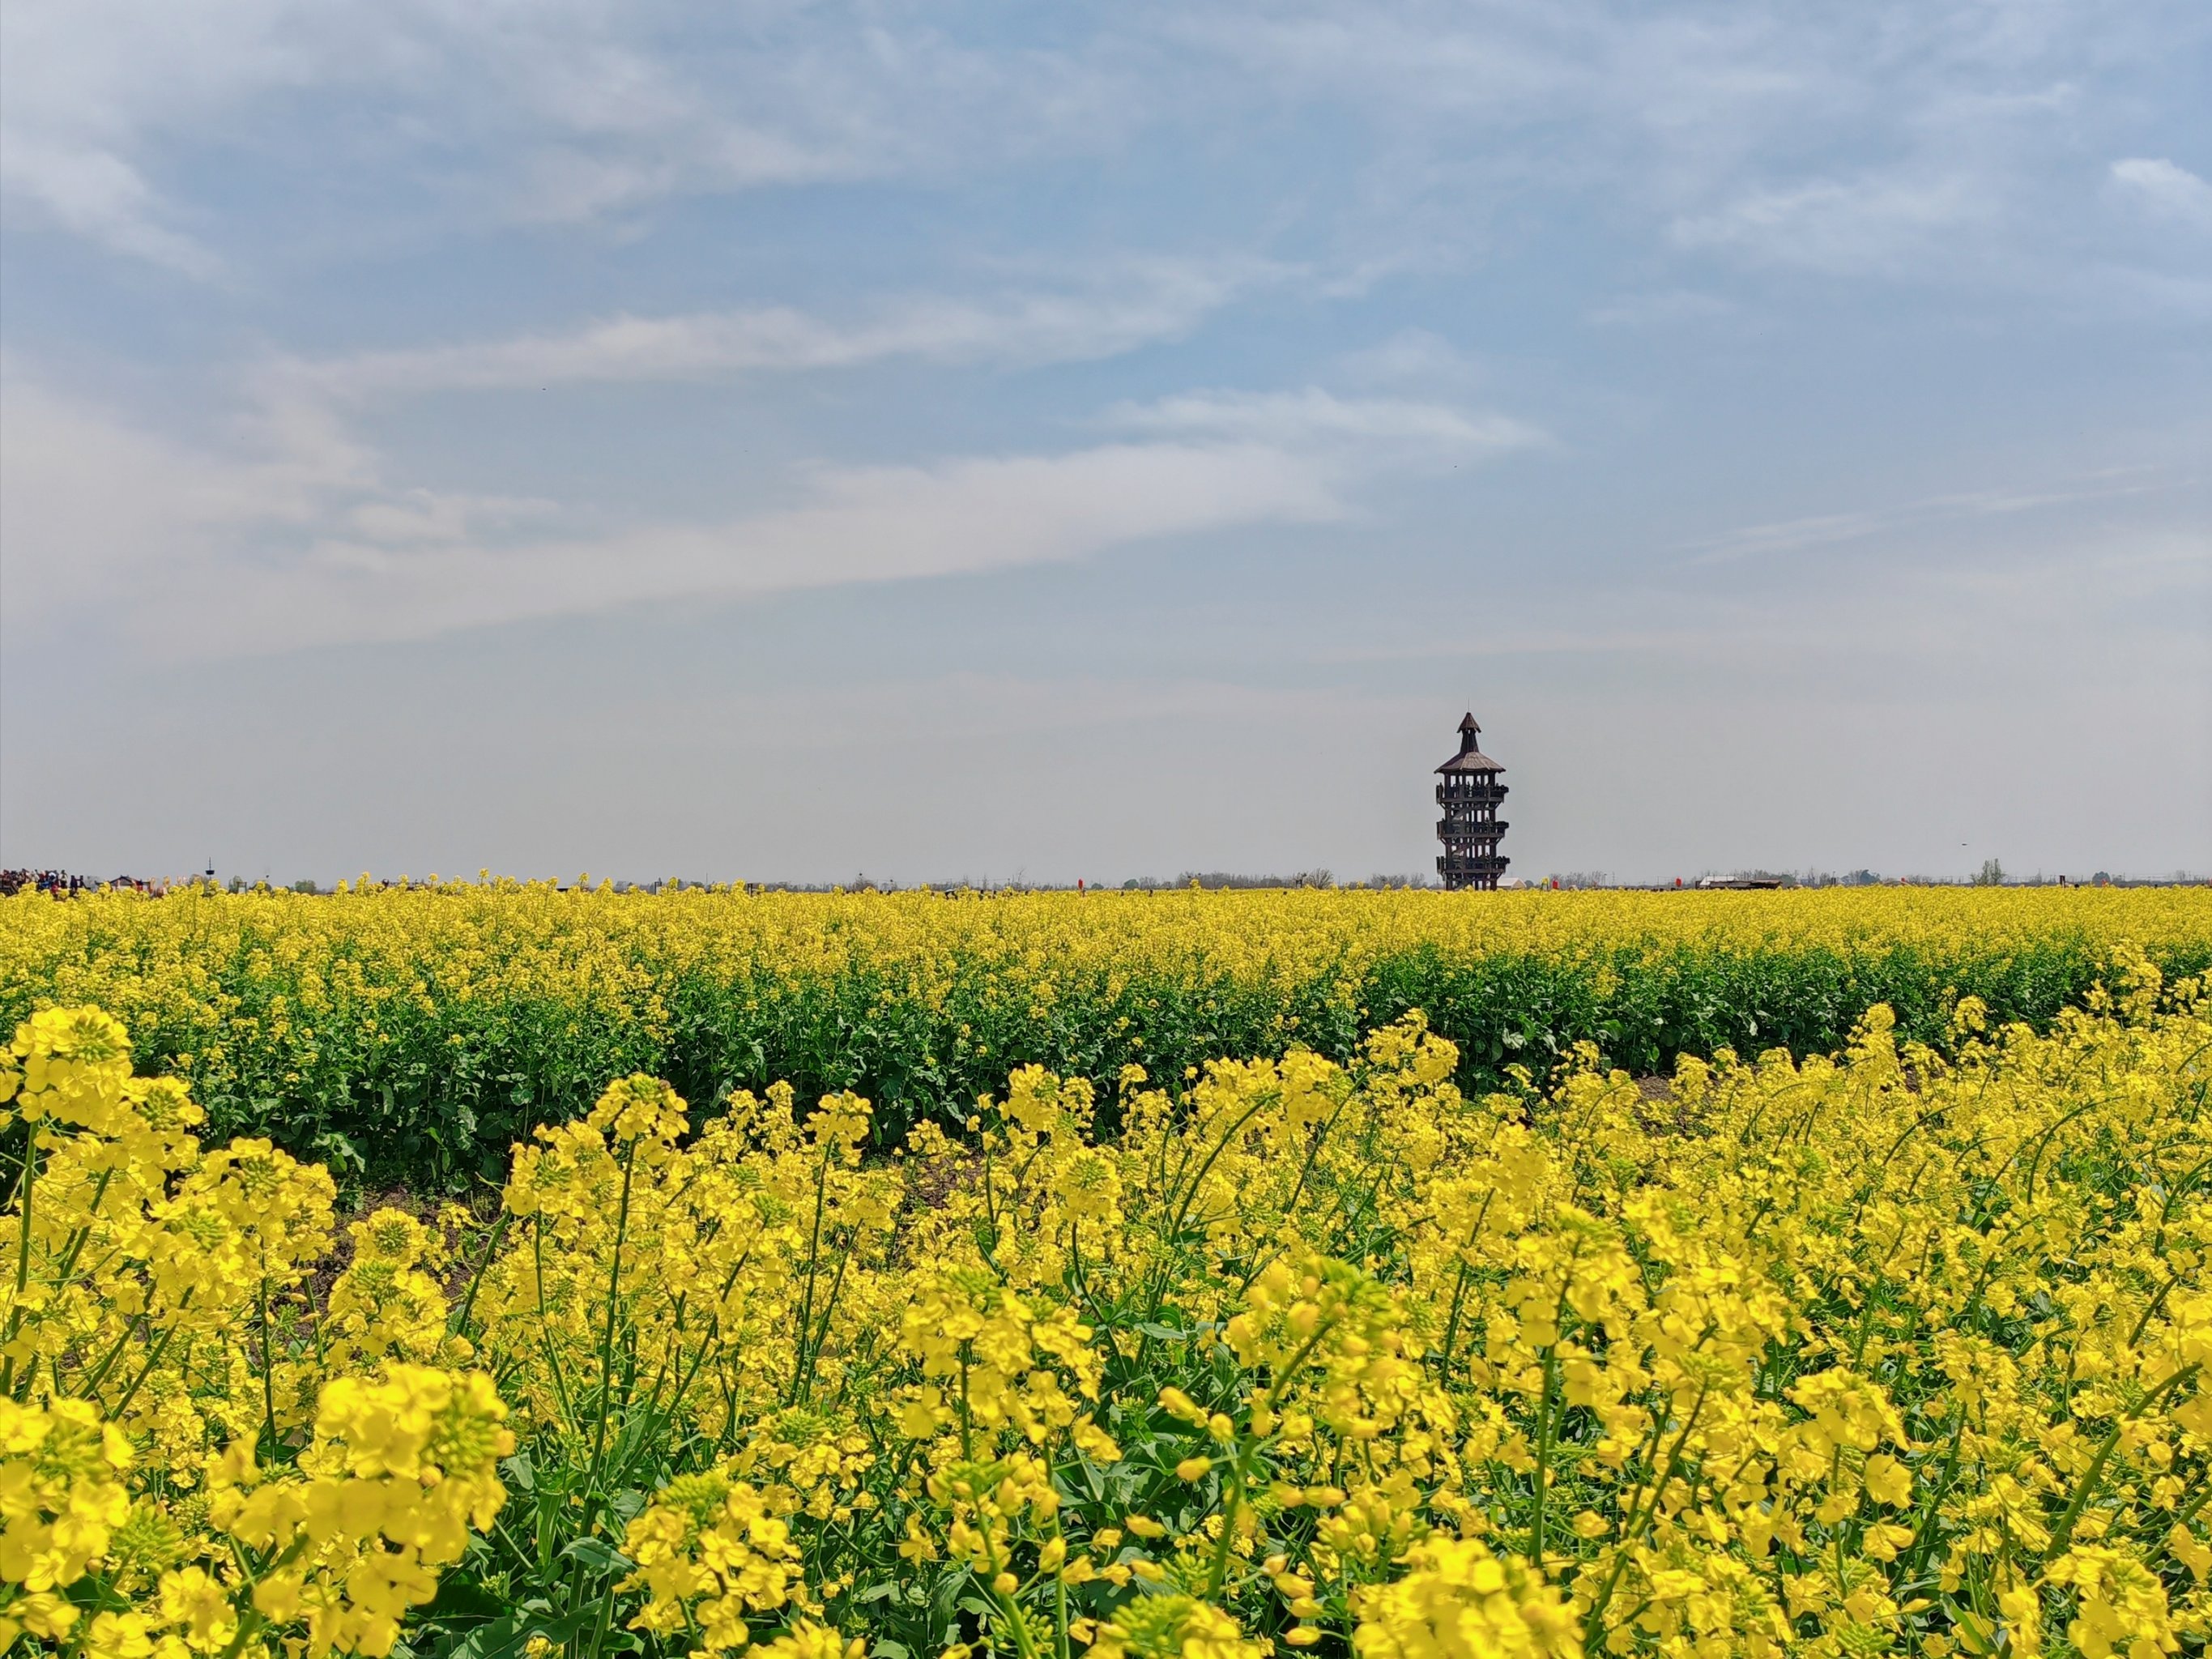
786 440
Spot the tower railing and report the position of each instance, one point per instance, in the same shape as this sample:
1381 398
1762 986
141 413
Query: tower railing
1469 792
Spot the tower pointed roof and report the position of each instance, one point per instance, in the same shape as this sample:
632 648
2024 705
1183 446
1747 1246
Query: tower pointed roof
1470 757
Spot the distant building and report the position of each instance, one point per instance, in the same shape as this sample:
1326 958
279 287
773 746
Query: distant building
1470 794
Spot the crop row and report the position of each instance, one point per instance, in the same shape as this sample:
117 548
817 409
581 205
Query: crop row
411 1035
1903 1353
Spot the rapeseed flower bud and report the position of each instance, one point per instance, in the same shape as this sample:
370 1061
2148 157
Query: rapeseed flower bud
1457 1601
1173 1627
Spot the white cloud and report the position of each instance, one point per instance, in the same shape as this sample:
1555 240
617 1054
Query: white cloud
535 113
88 87
1834 529
1294 419
86 502
867 524
295 536
1412 355
1869 142
97 512
1885 224
418 517
102 198
593 109
2165 189
1139 303
102 518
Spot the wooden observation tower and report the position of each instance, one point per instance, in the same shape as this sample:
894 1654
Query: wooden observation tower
1469 792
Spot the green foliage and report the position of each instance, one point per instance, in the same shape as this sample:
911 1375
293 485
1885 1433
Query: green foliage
410 1037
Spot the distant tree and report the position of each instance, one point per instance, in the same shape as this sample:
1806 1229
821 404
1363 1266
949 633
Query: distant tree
1991 874
1218 879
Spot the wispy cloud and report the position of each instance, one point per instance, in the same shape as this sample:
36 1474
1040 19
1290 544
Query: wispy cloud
1412 356
1833 138
1294 419
1866 143
2165 189
1834 529
102 198
561 114
1880 223
311 542
867 524
87 92
1141 302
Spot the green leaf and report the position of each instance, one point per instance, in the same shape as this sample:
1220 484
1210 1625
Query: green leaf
1973 1632
510 1637
463 1601
598 1555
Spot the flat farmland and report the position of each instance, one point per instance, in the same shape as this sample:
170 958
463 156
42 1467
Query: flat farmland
411 1035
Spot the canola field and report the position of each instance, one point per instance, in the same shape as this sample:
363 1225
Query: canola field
1900 1351
409 1036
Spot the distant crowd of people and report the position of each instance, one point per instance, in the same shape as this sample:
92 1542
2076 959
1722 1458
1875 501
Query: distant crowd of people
61 884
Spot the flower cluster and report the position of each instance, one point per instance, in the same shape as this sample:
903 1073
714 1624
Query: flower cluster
709 1553
1902 1351
194 1459
410 1033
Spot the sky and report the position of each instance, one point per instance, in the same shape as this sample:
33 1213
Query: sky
791 441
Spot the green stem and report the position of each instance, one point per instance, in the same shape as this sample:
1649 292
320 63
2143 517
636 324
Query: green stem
460 1326
24 1188
2063 1534
1459 1291
544 1326
268 1365
1543 1452
2181 1520
813 1261
1023 1642
1916 1554
1635 1529
78 1239
966 1445
152 1358
820 1339
99 1373
1220 1571
1190 1197
607 1335
1544 1408
1297 1364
